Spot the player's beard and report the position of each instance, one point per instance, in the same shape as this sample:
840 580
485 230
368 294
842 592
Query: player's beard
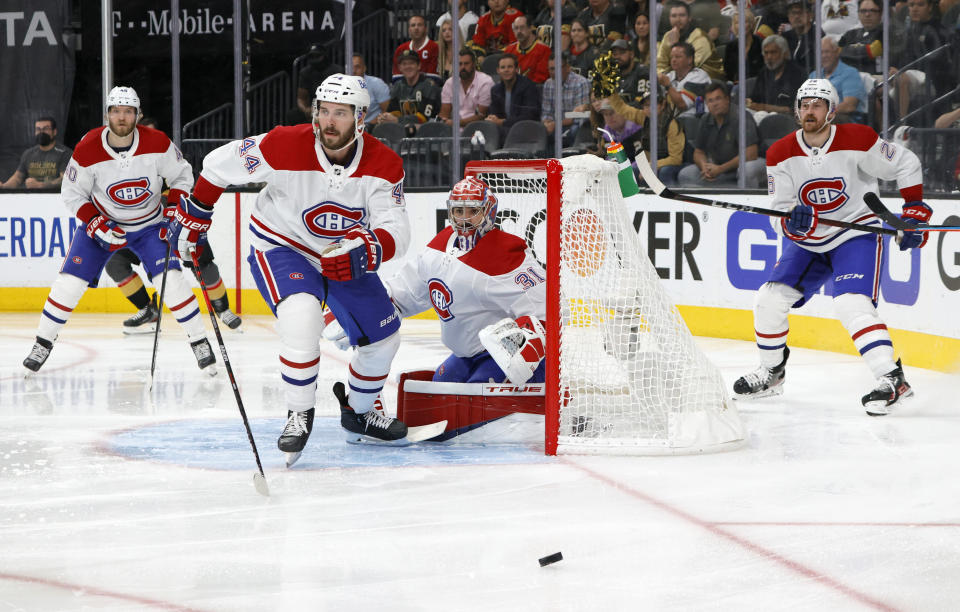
122 131
335 141
813 127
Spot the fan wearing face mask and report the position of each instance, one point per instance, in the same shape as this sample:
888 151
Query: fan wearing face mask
41 166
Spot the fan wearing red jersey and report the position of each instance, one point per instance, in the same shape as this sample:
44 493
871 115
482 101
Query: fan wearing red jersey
823 171
487 289
331 211
113 184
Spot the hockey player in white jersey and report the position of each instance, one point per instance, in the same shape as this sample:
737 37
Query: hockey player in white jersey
487 289
824 170
331 212
113 185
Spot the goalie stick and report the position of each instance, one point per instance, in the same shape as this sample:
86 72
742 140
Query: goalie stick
876 207
259 480
664 192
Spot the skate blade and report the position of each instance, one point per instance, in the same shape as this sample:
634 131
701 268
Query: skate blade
139 331
359 439
753 396
260 484
291 459
875 409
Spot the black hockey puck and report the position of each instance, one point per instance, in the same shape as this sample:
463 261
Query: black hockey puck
545 561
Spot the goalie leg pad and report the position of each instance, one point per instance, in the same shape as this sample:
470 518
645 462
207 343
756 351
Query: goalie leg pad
299 323
868 331
517 346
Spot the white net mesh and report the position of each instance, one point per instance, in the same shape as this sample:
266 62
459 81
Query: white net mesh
631 377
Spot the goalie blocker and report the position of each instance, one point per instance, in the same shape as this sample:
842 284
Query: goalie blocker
466 406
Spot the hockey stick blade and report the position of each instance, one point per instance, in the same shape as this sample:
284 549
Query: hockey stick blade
260 484
416 434
649 175
876 206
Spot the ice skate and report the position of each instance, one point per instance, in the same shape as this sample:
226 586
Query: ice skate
229 318
205 357
38 355
371 427
295 434
892 388
762 382
145 321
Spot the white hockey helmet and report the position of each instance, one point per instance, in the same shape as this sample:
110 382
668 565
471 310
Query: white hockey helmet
343 89
471 192
123 96
818 88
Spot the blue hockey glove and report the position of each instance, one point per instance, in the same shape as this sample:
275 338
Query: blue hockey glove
914 212
358 253
801 222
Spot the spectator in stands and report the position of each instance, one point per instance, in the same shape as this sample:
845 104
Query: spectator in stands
670 137
802 36
317 69
42 165
514 98
631 72
494 29
862 47
622 130
705 55
717 154
754 55
530 52
606 18
379 91
568 12
575 96
948 120
776 86
684 83
839 16
420 44
846 80
445 44
640 41
414 99
467 18
474 93
924 34
582 52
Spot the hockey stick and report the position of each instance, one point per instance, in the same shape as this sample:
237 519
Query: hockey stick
661 190
259 480
876 206
156 332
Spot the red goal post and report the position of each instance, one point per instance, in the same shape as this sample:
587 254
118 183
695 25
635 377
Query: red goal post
623 373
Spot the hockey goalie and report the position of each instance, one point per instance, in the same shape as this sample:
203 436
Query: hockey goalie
488 291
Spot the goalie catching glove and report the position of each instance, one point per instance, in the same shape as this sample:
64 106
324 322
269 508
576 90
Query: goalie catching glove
187 228
517 347
358 253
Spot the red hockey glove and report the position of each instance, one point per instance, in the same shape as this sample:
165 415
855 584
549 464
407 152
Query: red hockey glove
914 212
106 233
358 253
187 228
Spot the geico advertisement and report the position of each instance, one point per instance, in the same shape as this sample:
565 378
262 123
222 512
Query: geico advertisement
705 256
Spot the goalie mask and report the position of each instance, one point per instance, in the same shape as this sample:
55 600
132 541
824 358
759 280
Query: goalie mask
342 89
476 208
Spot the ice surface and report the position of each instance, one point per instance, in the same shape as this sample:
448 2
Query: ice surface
114 499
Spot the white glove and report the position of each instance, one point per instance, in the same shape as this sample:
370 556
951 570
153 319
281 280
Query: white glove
334 332
518 346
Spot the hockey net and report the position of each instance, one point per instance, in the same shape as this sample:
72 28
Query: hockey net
624 375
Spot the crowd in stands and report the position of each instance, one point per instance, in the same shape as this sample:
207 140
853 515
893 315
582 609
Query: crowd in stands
508 78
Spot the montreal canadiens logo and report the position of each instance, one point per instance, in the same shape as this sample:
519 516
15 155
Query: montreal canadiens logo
441 298
825 195
130 192
332 220
296 276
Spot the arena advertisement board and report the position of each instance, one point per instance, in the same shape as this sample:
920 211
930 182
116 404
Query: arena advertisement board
705 256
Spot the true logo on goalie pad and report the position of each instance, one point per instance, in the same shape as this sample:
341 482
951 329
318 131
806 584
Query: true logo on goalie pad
441 298
332 220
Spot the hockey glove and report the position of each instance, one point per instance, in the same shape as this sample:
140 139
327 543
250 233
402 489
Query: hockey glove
334 332
358 253
517 347
187 227
801 222
914 212
106 233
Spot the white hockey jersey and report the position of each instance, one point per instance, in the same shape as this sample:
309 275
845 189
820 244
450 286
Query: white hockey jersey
309 203
498 278
125 187
834 178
